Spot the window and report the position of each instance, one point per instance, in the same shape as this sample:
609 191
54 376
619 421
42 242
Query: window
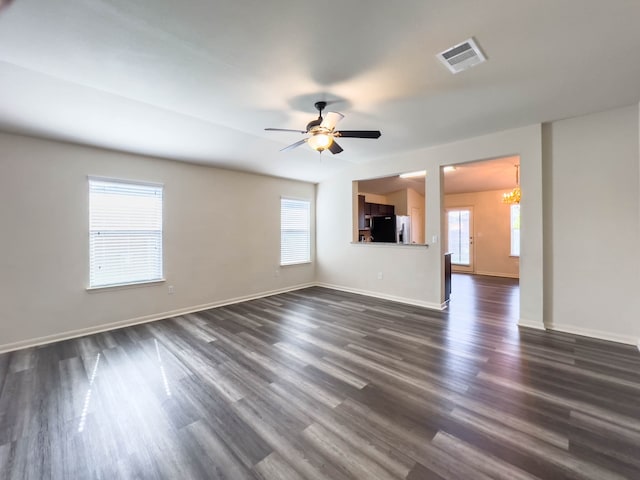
515 230
125 233
295 231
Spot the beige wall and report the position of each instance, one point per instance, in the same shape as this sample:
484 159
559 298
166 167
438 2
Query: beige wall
492 232
221 238
399 201
415 209
592 224
373 198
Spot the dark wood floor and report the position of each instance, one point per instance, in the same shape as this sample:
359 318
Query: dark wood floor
321 384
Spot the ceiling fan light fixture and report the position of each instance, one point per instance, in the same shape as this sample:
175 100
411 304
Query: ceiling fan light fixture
320 141
322 132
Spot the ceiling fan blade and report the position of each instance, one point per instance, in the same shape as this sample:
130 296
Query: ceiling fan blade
335 148
284 130
331 120
359 133
294 145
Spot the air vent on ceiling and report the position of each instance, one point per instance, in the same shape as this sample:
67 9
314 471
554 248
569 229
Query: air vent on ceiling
462 56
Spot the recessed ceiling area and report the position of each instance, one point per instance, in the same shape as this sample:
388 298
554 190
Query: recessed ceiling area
386 185
199 82
480 176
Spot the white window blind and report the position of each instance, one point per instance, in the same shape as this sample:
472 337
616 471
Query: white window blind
125 233
295 231
515 230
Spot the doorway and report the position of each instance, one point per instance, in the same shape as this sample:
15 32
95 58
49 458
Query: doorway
482 233
459 225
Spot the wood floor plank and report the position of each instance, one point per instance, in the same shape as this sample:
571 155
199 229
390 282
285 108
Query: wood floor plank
484 463
274 467
516 439
308 462
323 384
346 457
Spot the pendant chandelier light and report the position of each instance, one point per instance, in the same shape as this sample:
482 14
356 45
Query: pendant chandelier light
513 197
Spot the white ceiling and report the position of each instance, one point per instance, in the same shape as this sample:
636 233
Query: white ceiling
200 80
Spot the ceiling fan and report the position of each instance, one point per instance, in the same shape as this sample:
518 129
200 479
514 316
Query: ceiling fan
323 132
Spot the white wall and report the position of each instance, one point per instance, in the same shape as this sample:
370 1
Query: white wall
221 239
590 166
491 232
592 224
412 273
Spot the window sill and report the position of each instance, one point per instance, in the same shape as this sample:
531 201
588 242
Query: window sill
122 286
294 264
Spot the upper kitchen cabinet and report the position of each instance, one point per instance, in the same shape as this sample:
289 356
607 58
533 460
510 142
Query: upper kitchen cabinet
361 212
376 209
366 210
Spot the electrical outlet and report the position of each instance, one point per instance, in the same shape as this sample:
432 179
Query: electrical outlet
170 289
380 275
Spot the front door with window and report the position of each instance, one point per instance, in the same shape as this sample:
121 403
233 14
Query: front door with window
460 238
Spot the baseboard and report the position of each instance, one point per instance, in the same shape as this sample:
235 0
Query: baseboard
584 332
598 334
384 296
531 324
498 274
139 320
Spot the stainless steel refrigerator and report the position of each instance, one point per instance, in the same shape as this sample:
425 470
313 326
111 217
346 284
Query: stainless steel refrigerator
403 229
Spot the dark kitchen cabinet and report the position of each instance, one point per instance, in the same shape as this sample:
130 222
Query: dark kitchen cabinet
386 209
375 209
366 210
361 212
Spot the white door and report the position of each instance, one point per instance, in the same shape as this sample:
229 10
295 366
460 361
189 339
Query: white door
460 238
